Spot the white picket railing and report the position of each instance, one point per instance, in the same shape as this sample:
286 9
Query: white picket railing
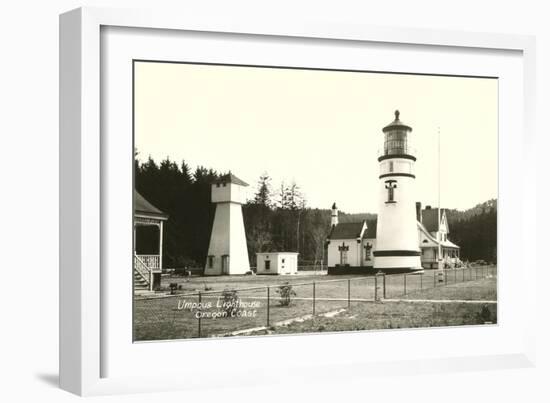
151 261
144 271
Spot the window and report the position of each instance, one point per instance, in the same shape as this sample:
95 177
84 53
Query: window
391 166
210 262
343 253
268 264
343 257
391 185
283 260
368 248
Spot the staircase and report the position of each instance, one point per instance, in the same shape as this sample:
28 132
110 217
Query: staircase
143 276
139 282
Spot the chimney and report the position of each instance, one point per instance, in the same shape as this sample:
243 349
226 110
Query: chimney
428 207
419 212
334 215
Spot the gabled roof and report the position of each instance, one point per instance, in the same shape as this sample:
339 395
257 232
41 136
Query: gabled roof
370 233
230 178
426 232
449 244
430 220
347 230
142 206
446 243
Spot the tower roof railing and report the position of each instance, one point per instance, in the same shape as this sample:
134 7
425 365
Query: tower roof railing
400 150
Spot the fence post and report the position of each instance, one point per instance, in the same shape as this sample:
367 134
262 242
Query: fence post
267 306
462 274
376 287
455 274
200 311
314 298
445 271
404 284
349 293
435 284
421 277
384 289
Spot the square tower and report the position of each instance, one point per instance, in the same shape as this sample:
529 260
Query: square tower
227 251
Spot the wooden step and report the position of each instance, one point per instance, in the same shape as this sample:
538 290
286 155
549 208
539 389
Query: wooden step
140 284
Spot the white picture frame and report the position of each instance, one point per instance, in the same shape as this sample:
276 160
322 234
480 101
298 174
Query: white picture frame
82 170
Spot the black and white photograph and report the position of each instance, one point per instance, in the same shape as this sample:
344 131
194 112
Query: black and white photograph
276 201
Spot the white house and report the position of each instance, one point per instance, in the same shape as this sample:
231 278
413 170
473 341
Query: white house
277 263
350 245
433 235
227 251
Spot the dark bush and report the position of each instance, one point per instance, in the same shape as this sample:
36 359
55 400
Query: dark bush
230 302
286 293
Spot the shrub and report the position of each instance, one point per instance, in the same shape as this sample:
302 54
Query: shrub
286 293
230 302
173 288
484 315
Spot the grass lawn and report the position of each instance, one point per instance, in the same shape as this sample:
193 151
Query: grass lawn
171 317
479 290
404 315
160 318
392 315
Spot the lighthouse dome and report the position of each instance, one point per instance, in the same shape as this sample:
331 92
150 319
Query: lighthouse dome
396 125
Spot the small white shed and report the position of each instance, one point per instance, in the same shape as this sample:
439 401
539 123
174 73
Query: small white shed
277 263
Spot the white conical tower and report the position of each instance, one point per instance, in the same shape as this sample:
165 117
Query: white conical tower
397 234
227 251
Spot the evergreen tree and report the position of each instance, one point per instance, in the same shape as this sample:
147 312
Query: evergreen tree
263 194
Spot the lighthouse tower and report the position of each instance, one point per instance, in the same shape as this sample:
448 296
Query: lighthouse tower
227 252
397 247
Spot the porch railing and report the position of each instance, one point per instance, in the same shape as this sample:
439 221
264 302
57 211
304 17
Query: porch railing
151 261
144 271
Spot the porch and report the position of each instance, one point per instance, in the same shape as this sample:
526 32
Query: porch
147 266
446 256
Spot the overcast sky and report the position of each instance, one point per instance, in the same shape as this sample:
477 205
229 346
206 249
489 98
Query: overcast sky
322 129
